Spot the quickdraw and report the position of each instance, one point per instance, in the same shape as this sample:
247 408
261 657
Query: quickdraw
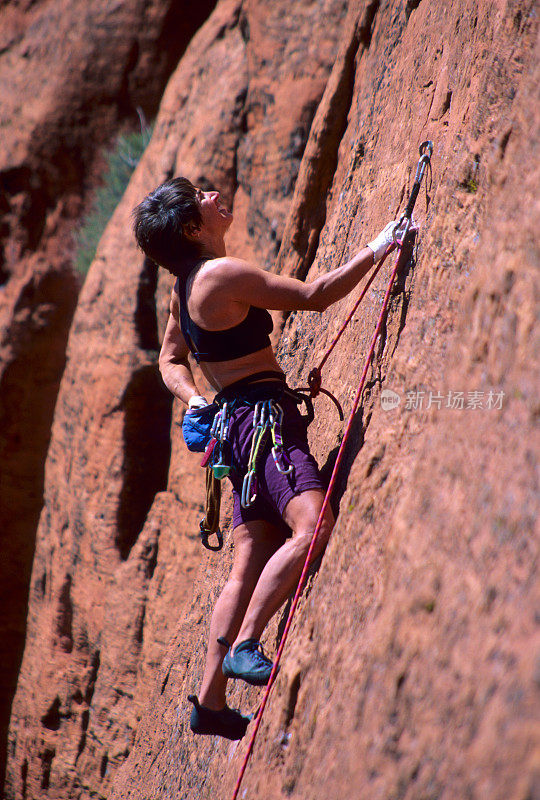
209 524
400 235
220 450
426 151
278 451
249 485
267 417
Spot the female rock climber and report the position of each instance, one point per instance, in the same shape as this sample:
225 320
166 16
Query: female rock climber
219 311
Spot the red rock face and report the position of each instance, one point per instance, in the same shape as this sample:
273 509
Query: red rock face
410 671
70 75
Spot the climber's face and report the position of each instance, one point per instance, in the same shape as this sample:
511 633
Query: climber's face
215 217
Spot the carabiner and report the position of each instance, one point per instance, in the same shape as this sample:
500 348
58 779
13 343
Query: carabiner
204 534
277 453
401 230
276 412
275 426
216 425
247 498
220 428
426 148
421 168
259 414
208 452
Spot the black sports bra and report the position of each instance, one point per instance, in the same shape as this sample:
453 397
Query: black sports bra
249 336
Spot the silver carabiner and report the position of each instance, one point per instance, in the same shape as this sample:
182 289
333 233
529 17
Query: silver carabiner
225 431
258 414
426 148
276 454
247 498
426 151
276 412
421 168
223 424
399 234
215 425
401 229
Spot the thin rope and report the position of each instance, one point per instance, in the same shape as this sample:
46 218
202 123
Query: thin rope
326 501
341 331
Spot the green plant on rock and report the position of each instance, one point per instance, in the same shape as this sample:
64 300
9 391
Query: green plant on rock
471 185
121 162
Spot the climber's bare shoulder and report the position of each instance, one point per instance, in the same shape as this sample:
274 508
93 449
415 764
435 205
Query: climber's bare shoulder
240 281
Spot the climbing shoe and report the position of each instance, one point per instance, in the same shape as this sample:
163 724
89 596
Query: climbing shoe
248 662
227 723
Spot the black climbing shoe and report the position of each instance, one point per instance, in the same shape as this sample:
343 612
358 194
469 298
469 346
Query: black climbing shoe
227 723
248 662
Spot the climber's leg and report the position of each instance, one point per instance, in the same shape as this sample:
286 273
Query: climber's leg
278 579
255 543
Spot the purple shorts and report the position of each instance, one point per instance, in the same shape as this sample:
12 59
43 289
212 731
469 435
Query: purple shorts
274 489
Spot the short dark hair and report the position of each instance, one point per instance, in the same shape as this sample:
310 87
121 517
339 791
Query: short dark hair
159 224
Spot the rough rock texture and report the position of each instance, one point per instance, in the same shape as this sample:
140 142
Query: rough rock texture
70 75
117 540
412 668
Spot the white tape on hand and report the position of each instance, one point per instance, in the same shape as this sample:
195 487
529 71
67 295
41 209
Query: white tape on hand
380 244
197 402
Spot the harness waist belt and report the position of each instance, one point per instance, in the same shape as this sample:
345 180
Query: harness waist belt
235 389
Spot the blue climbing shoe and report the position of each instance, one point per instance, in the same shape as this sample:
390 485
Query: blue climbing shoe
247 662
228 723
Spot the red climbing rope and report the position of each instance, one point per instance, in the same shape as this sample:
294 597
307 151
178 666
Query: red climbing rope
321 517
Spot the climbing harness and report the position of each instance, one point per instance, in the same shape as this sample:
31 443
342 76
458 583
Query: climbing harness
213 429
426 150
